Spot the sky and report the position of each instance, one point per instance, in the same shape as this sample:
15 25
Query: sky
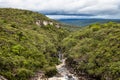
62 9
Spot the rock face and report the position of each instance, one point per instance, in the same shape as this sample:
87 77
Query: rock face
39 23
51 23
2 78
45 23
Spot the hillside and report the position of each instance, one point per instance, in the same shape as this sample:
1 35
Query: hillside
94 51
28 43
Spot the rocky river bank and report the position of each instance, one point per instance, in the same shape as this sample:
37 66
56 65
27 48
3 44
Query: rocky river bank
64 73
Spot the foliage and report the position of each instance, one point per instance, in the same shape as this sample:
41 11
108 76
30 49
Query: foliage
96 50
26 47
50 71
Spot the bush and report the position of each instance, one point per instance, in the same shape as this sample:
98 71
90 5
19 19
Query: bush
96 50
50 71
23 74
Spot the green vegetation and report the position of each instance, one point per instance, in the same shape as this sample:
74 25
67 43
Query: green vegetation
26 47
95 50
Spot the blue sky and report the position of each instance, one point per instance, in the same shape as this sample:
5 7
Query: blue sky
69 8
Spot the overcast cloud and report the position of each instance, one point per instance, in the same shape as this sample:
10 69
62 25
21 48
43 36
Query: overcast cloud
98 8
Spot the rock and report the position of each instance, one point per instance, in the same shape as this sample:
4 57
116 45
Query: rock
39 23
2 78
57 26
51 23
45 23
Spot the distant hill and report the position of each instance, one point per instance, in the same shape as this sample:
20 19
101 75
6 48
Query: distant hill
28 43
86 22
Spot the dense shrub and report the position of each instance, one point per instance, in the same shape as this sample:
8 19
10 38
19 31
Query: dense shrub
96 49
26 47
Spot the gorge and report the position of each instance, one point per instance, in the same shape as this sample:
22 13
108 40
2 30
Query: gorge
35 47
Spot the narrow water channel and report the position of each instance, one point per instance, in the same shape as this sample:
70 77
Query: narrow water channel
65 74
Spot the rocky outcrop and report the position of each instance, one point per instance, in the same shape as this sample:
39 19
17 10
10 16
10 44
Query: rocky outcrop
39 22
45 23
51 23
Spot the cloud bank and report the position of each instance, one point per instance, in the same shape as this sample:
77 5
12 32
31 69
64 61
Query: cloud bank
97 8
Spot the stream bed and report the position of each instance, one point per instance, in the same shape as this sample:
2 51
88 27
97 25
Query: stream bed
64 73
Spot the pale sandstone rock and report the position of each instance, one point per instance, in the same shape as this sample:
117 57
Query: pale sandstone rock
45 23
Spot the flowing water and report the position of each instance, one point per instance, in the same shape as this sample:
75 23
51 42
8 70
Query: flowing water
65 74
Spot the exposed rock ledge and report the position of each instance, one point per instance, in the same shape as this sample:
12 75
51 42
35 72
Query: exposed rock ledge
45 23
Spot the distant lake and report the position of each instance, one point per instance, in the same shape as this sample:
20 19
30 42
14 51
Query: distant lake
85 22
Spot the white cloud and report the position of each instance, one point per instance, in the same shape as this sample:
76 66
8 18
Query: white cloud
80 17
105 8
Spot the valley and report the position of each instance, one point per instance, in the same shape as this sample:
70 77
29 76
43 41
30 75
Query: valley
35 47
